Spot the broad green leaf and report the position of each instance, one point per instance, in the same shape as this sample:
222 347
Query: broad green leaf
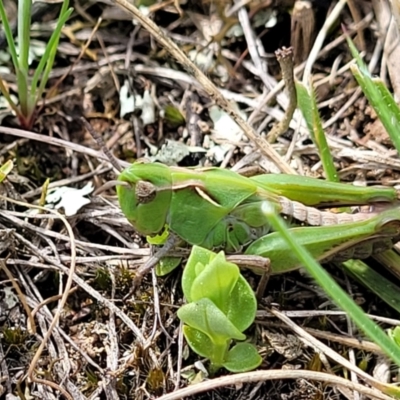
167 265
242 305
202 345
216 282
206 317
242 357
198 255
199 268
199 342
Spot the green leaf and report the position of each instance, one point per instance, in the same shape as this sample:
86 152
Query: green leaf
206 317
199 257
199 342
222 305
308 106
216 282
242 305
242 357
9 35
173 116
378 95
46 63
387 290
167 264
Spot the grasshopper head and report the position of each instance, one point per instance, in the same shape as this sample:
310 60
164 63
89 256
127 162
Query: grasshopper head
146 200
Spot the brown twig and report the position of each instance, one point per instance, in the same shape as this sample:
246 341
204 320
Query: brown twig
21 296
269 375
101 143
208 86
63 300
58 142
285 59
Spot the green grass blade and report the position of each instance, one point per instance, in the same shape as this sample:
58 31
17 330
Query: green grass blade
334 291
24 33
21 76
47 60
308 106
391 112
391 260
382 287
9 35
24 30
378 96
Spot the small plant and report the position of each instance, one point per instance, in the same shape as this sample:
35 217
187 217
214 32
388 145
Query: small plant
15 336
221 305
29 90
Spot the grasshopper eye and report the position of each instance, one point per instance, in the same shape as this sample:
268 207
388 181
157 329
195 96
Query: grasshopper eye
145 192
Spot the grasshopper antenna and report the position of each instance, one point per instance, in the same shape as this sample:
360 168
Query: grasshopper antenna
99 140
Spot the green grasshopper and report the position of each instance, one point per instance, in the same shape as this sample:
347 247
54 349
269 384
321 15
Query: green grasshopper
219 209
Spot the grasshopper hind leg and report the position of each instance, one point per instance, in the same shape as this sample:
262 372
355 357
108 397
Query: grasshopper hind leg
364 250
